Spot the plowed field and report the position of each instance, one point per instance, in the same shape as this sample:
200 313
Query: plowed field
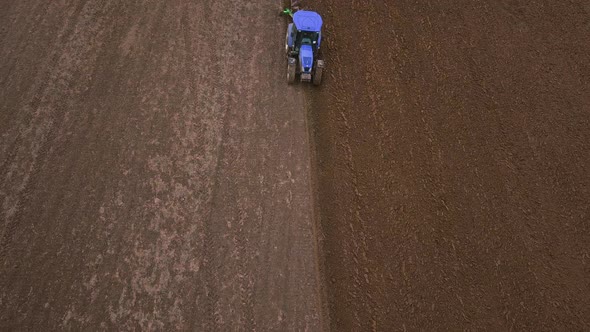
453 147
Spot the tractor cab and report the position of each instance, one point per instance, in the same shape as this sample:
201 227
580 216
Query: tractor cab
304 37
306 29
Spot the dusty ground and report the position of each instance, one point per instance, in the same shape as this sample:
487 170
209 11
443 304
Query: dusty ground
453 146
154 169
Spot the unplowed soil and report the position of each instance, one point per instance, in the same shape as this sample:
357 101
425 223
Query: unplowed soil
154 169
453 147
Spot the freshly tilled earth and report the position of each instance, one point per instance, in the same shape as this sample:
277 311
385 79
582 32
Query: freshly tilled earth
453 148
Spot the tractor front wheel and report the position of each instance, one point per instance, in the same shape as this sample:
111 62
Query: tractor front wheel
291 67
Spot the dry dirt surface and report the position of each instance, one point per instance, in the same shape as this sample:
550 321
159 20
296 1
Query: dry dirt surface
453 147
154 169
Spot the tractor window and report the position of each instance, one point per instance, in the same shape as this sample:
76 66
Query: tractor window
306 38
311 36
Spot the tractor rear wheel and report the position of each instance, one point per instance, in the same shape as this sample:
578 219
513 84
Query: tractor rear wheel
291 67
287 42
317 76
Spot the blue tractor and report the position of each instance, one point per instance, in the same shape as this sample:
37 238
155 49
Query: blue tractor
302 44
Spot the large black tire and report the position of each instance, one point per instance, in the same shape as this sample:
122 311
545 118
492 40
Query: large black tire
291 70
319 69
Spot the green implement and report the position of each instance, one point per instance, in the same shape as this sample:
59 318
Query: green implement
287 11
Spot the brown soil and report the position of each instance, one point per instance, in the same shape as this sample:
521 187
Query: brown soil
453 154
154 169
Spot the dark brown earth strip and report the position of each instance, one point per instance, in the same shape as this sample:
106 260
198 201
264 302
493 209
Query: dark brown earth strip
453 154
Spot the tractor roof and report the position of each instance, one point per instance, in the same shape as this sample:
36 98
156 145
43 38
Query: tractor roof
307 20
